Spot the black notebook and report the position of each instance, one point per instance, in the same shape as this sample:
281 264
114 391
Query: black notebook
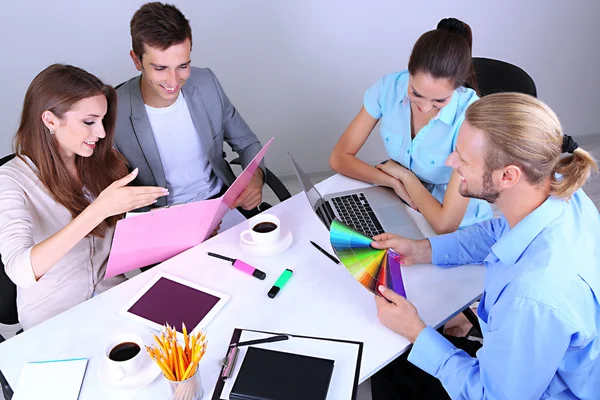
275 375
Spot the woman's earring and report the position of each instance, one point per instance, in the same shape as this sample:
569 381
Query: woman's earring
51 132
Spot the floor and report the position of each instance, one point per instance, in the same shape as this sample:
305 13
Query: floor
590 142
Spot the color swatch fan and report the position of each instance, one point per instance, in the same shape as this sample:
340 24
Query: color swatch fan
370 267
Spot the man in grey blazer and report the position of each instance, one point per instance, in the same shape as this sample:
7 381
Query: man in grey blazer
173 118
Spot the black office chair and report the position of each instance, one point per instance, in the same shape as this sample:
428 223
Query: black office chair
8 304
8 290
7 391
495 76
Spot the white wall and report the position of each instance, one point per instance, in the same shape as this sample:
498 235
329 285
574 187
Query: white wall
297 70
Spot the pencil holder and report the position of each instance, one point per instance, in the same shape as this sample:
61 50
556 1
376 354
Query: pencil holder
190 389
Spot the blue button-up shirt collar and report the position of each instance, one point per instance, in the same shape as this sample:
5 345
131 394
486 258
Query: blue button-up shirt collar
511 246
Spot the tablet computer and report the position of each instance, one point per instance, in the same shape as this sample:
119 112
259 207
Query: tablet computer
167 299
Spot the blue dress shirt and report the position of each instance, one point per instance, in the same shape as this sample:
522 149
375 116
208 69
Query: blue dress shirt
540 310
426 154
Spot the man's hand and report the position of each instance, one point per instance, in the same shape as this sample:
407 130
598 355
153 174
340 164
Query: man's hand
399 314
251 196
216 231
410 251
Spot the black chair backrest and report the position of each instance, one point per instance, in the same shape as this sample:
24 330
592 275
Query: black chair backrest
6 389
495 76
8 290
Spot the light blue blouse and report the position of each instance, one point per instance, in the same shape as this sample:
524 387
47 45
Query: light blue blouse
426 154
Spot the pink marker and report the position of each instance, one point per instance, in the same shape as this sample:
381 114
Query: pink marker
242 266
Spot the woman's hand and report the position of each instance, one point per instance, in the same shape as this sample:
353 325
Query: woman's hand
401 191
394 169
118 198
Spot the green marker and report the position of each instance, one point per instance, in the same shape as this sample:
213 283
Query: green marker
280 283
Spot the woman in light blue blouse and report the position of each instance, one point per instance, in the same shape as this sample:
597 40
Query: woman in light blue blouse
421 110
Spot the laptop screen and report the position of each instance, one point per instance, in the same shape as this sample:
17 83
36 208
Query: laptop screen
319 206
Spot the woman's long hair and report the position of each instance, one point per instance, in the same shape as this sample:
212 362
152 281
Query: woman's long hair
57 89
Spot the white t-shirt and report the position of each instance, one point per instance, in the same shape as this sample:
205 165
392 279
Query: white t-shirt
187 170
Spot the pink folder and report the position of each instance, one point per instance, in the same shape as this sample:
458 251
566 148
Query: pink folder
160 234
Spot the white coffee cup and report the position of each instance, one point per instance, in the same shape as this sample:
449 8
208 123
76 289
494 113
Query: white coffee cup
264 230
120 357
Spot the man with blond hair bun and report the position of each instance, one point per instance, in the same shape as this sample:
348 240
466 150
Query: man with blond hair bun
540 309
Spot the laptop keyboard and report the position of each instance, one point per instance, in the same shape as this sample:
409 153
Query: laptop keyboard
355 211
325 212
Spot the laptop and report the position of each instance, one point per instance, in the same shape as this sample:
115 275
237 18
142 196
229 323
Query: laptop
372 210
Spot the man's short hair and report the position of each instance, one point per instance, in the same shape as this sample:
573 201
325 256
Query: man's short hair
158 25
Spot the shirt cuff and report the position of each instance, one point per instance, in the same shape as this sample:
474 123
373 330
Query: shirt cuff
430 351
444 250
22 271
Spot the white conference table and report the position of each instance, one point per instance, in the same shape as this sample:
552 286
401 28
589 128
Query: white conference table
321 299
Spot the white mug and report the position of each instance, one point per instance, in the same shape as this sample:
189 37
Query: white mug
121 369
262 238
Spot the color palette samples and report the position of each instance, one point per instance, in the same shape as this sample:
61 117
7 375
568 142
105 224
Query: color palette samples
370 267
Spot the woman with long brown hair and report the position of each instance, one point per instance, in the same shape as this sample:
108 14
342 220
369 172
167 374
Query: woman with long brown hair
61 197
421 110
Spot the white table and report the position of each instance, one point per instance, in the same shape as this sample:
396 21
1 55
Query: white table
321 299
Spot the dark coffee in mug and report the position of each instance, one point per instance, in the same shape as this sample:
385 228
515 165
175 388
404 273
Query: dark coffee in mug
124 351
264 227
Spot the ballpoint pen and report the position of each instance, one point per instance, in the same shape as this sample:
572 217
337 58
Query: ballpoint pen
232 354
332 258
271 339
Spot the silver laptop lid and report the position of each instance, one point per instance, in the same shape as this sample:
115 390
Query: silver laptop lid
319 206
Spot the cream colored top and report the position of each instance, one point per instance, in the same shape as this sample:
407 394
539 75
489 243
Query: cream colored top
29 215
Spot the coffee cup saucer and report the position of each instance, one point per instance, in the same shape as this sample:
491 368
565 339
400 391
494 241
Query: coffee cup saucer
284 242
143 377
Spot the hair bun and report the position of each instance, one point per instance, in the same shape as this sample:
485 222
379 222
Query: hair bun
452 24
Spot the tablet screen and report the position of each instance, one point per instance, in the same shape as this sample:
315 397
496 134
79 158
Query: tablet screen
174 303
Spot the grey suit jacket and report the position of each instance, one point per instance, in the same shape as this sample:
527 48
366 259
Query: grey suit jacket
214 117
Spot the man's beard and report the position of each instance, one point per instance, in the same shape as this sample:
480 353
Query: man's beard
489 192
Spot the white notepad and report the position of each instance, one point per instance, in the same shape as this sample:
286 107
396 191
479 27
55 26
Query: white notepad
58 379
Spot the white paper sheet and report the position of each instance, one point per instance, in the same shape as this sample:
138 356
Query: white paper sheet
50 380
344 355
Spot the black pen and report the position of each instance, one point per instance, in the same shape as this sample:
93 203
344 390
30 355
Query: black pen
232 260
271 339
332 258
